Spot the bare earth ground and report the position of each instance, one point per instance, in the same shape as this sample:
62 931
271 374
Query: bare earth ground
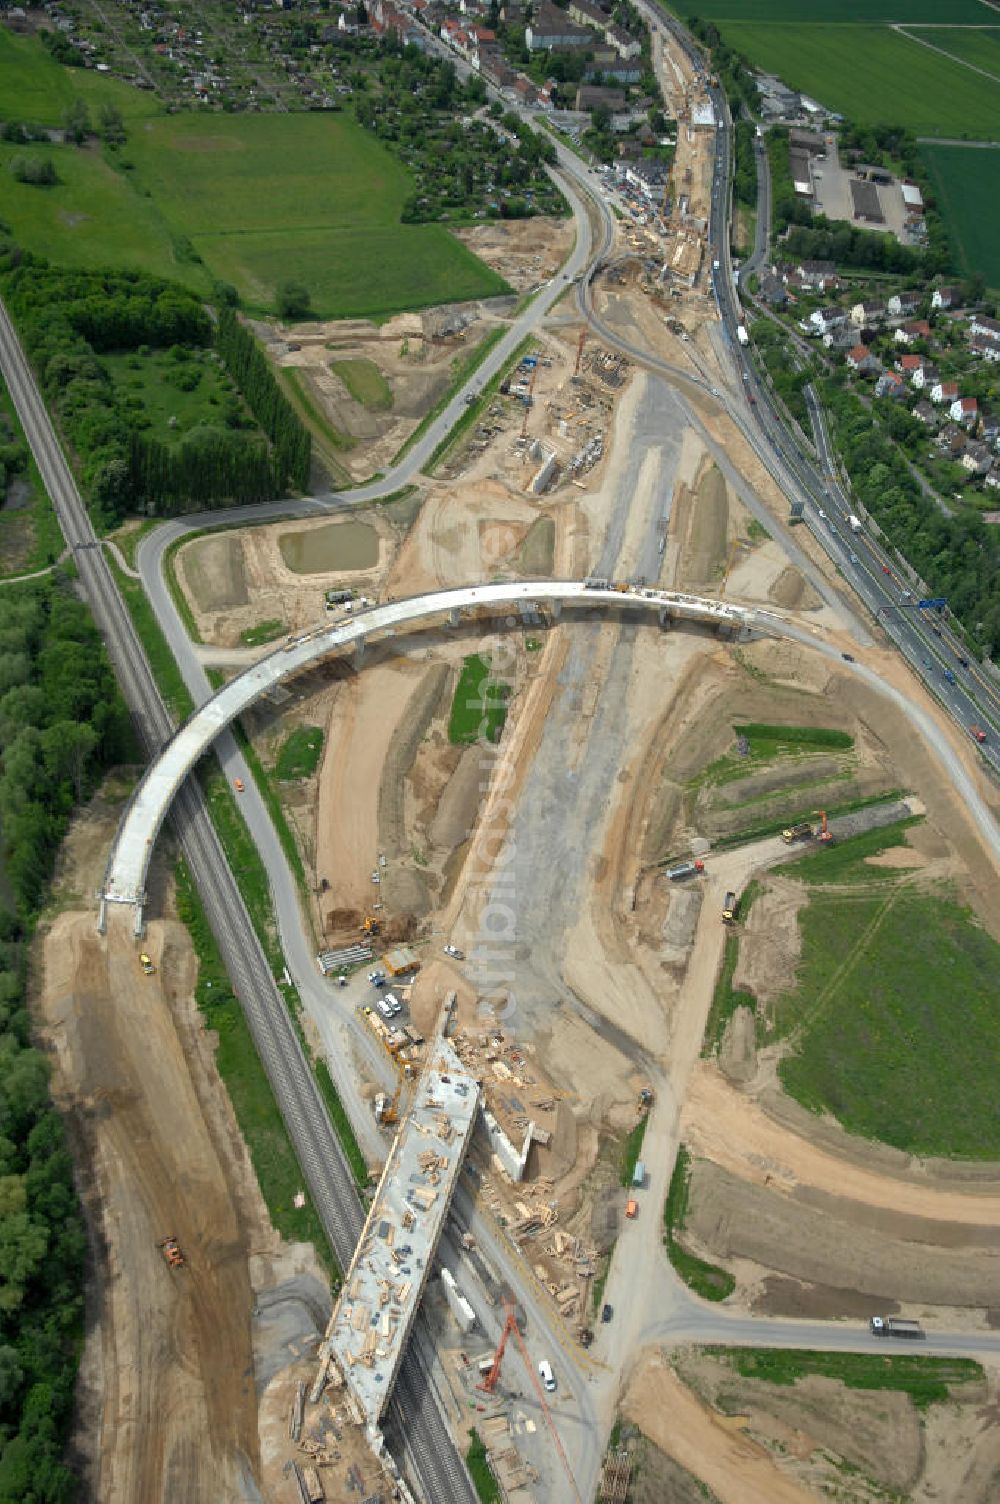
525 252
168 1402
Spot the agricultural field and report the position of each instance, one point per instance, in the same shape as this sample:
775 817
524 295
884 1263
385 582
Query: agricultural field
252 200
977 46
91 217
34 88
813 12
479 708
312 197
892 972
872 75
967 184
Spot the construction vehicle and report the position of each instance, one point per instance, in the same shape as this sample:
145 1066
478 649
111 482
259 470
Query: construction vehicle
684 869
646 1097
896 1326
370 925
729 908
801 832
824 833
386 1111
171 1250
632 1210
978 733
149 968
489 1383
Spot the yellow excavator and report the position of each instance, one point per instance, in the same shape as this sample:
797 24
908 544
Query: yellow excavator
371 925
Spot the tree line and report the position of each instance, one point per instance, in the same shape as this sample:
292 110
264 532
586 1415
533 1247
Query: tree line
62 723
68 318
249 368
957 557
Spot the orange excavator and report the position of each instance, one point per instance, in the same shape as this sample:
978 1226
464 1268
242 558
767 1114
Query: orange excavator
171 1250
824 833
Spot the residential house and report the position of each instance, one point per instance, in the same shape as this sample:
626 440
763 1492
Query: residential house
820 275
952 441
989 427
587 14
993 477
594 96
901 304
890 384
925 412
964 410
925 377
870 312
909 365
977 459
823 319
648 175
550 29
613 70
841 337
625 44
984 347
988 328
946 297
944 392
861 360
772 291
910 332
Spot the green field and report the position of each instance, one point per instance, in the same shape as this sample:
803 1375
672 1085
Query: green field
705 1279
479 708
300 753
365 382
94 216
978 46
967 184
913 12
34 88
873 75
313 197
261 199
928 1381
893 1019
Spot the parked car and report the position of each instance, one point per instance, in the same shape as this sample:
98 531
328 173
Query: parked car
546 1375
606 1313
453 950
238 785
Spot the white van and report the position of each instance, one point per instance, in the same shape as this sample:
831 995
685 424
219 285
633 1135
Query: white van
546 1375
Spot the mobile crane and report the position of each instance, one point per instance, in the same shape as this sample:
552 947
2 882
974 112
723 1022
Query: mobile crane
489 1384
824 833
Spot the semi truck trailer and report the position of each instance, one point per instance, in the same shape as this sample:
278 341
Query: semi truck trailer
684 869
896 1326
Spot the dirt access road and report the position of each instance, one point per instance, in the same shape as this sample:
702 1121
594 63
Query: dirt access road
167 1387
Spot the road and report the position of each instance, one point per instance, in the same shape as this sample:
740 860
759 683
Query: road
320 1156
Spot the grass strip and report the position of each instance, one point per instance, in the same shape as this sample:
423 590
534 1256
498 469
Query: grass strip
845 861
264 632
705 1279
927 1381
796 736
726 998
479 708
631 1150
342 1125
177 595
329 440
478 1462
261 1124
300 753
161 659
776 826
465 366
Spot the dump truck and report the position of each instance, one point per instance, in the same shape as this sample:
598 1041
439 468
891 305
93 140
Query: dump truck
729 908
147 965
801 832
978 733
896 1326
854 523
684 869
171 1250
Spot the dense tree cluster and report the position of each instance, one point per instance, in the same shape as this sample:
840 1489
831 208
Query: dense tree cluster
734 72
744 164
68 318
957 557
247 364
61 724
40 171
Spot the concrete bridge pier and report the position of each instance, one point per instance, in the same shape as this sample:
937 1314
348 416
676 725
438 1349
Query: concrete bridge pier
454 616
556 609
359 651
665 619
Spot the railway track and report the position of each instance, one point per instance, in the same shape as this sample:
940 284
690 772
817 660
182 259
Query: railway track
414 1417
